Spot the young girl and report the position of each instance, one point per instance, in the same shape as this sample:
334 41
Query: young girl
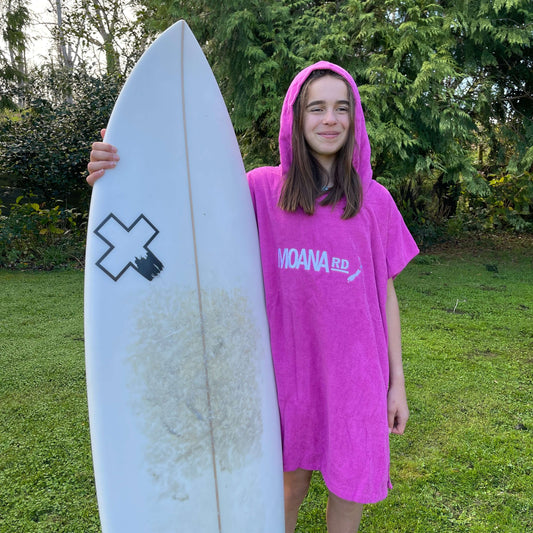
332 241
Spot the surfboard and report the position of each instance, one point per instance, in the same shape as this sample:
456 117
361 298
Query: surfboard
182 401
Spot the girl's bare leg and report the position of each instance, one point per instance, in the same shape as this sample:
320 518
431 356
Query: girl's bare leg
343 516
296 485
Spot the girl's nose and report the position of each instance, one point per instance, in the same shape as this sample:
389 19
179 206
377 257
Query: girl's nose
329 116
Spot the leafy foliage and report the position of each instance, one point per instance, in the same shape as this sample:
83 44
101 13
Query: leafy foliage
44 147
418 131
32 234
493 43
434 76
447 88
509 204
14 19
247 48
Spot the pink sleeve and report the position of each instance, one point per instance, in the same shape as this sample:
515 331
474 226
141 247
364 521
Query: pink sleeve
401 247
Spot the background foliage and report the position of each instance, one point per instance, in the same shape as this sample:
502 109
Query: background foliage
33 235
447 88
44 146
446 85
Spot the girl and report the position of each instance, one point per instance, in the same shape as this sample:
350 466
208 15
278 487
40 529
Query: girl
332 240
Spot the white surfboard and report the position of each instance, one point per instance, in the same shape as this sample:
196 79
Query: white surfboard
182 401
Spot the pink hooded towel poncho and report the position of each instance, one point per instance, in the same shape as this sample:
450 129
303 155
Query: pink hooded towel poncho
326 287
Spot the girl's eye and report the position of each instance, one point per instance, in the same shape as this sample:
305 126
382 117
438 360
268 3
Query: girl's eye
343 109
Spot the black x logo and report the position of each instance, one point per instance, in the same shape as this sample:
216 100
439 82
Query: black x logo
128 247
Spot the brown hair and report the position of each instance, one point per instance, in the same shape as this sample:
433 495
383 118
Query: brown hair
303 182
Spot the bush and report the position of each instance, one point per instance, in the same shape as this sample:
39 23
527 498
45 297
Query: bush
509 204
35 236
44 148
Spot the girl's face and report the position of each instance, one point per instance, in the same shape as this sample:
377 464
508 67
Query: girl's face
327 118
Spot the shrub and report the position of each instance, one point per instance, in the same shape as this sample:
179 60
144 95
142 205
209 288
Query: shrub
509 204
44 148
33 235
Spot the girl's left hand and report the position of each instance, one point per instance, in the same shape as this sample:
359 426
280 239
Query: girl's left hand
397 409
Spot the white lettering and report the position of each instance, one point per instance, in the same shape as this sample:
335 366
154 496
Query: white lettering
304 260
293 258
313 258
318 260
283 258
323 262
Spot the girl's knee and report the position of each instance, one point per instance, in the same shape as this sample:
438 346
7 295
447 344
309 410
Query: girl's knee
296 484
343 516
344 507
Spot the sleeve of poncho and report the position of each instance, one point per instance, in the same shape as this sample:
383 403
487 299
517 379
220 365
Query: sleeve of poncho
401 247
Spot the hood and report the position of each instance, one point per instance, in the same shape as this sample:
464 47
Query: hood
361 156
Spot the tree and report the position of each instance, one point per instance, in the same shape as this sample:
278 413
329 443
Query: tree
437 77
44 140
14 18
493 44
399 53
68 51
107 27
433 76
420 133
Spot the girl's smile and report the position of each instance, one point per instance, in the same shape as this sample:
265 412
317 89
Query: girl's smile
326 118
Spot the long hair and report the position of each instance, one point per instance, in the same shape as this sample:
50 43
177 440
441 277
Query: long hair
303 182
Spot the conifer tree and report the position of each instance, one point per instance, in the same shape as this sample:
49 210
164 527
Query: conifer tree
494 45
436 77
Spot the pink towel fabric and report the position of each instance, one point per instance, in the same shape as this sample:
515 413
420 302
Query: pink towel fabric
326 287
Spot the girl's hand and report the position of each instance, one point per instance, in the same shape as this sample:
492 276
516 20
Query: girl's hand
397 409
103 156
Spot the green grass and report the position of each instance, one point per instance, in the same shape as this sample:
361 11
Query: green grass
464 464
46 478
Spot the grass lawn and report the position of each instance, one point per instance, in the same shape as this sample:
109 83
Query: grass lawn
464 464
46 478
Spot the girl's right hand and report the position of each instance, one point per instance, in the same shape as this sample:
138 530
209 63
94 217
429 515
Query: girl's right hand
103 156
